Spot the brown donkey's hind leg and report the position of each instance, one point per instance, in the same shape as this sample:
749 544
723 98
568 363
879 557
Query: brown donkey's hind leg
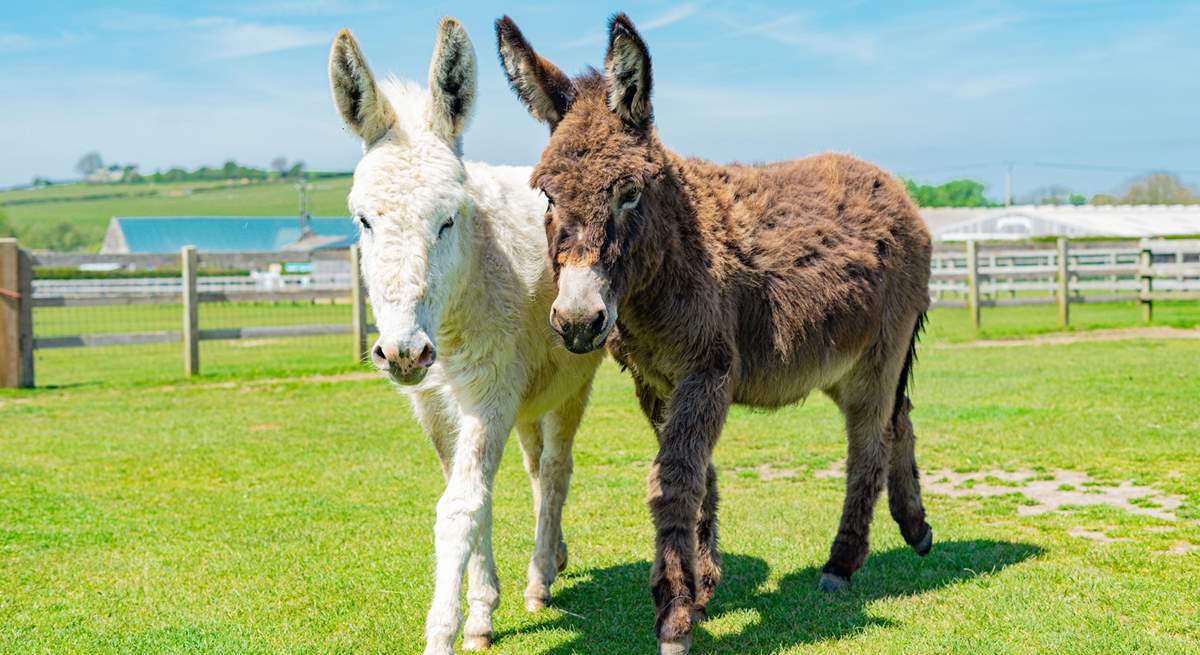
904 489
866 467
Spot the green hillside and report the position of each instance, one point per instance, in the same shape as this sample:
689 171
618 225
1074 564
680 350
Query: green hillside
39 216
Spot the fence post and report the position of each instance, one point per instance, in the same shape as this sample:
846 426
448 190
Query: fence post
359 301
973 283
16 316
1146 272
1064 284
191 314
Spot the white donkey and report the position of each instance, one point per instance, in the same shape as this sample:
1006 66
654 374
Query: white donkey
454 259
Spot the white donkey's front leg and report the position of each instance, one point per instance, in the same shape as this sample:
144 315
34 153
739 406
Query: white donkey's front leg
554 468
464 526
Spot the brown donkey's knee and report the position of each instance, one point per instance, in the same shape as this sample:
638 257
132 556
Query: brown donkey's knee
708 558
904 487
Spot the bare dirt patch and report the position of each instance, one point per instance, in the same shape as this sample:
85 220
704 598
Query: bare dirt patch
1095 535
768 472
1050 492
1062 338
1181 548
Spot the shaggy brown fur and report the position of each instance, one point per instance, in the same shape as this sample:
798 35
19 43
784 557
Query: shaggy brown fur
747 284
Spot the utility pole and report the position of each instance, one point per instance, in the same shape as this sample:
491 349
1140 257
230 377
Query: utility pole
1008 185
302 187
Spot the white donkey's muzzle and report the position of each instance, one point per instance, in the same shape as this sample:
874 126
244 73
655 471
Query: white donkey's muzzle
406 360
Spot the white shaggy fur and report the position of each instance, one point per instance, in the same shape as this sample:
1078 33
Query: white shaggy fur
480 290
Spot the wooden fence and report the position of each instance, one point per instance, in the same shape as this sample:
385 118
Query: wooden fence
971 275
21 292
976 275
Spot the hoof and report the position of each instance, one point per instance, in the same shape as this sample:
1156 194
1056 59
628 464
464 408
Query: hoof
832 584
562 556
477 642
925 544
679 646
536 603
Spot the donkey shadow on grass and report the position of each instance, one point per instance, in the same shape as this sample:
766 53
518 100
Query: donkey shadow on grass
606 618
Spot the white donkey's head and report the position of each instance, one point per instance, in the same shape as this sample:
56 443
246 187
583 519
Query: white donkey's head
409 196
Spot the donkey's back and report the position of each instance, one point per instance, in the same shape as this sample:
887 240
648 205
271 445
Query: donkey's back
826 253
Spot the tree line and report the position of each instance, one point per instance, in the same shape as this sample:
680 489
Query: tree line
93 169
1151 189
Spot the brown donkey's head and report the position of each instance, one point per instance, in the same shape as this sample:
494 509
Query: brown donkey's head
600 171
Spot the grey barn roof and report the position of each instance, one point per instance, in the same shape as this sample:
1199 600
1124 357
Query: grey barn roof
226 234
1025 221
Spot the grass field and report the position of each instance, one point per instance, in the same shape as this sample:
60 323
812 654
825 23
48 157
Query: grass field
247 512
89 207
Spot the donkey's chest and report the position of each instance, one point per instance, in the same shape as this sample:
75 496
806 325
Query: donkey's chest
655 367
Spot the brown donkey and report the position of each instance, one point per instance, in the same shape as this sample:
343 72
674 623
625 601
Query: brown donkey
720 284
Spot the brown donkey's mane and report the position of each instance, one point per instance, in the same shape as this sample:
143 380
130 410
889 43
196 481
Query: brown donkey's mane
753 284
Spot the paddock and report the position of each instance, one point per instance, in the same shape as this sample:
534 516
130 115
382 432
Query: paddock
285 506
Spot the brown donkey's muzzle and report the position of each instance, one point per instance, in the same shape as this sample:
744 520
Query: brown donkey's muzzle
581 332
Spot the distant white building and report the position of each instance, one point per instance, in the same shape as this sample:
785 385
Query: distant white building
1027 221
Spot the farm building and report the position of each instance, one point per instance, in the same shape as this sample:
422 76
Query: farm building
227 234
1027 221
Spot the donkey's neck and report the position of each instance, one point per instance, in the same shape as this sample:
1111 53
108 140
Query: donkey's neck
676 252
505 261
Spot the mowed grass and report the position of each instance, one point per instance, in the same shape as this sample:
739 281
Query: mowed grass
89 207
250 513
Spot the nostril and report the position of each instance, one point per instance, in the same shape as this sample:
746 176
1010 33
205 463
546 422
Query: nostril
378 355
597 325
427 357
554 315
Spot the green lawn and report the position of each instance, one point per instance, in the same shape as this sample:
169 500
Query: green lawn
248 513
71 204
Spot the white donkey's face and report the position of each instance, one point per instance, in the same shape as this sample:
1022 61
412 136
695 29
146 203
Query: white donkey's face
409 197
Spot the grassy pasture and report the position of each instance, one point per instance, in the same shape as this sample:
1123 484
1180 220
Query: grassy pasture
89 207
248 512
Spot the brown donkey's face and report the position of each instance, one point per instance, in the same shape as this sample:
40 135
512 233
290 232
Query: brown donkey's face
599 172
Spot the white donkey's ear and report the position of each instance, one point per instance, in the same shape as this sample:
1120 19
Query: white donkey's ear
451 80
355 93
627 72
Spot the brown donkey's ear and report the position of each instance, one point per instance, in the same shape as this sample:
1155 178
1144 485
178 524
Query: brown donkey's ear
451 80
544 89
355 93
627 72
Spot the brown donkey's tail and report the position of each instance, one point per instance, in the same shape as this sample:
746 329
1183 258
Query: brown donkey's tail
907 370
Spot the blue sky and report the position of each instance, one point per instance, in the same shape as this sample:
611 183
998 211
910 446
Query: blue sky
934 90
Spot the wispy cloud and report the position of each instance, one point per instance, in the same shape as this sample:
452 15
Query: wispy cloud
212 38
315 7
669 17
791 30
231 39
17 42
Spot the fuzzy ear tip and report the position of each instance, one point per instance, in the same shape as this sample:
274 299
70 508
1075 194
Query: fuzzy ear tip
620 22
343 36
450 24
505 27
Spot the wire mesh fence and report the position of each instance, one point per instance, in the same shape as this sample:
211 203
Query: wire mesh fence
106 318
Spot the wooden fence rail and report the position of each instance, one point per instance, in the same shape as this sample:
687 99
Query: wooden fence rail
972 275
20 292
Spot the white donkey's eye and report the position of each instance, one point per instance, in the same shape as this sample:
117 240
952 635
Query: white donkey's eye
445 227
362 221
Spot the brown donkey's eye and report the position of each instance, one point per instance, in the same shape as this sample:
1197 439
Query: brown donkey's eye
628 195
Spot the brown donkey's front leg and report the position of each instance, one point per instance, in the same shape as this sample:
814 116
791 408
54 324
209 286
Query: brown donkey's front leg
678 484
708 558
